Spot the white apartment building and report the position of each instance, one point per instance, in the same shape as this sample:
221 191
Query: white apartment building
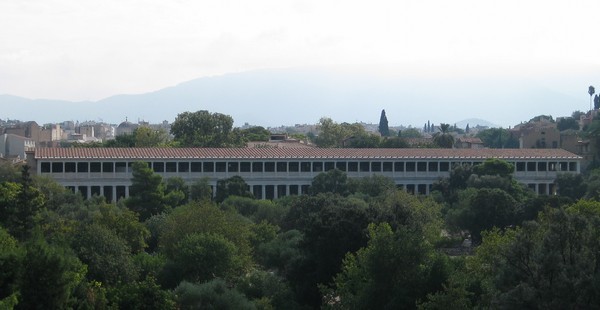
14 146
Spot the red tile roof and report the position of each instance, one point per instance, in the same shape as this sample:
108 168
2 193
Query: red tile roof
296 153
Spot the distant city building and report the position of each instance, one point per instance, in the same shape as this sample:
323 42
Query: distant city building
541 134
14 147
468 143
125 128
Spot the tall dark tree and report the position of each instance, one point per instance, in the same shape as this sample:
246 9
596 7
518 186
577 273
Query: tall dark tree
147 192
596 102
591 91
29 202
384 130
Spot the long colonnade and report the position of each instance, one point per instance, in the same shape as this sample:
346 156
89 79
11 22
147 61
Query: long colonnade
273 173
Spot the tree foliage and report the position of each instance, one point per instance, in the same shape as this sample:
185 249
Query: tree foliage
498 138
495 167
144 294
384 130
332 181
233 186
20 205
483 209
256 133
200 257
215 294
393 271
571 185
49 276
106 255
332 134
143 136
205 218
201 190
410 133
444 138
567 123
146 193
551 264
332 226
205 129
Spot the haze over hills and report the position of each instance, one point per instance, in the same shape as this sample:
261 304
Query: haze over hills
296 96
474 122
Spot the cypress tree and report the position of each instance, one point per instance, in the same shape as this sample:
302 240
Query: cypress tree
384 130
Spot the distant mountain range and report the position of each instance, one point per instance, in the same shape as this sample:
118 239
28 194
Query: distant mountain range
474 122
299 96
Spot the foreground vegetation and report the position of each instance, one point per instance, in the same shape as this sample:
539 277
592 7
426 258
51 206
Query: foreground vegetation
350 244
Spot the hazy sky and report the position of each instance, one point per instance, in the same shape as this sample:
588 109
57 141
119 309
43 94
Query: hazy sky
88 50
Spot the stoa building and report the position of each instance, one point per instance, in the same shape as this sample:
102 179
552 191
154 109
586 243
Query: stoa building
276 172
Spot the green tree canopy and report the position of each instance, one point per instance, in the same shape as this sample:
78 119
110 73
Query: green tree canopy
394 142
373 186
444 139
106 255
571 185
205 129
205 218
9 172
498 138
332 134
144 294
147 193
215 294
547 264
233 186
332 226
148 137
20 205
494 166
201 257
176 192
256 133
49 276
410 133
482 209
201 190
393 271
333 181
566 123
